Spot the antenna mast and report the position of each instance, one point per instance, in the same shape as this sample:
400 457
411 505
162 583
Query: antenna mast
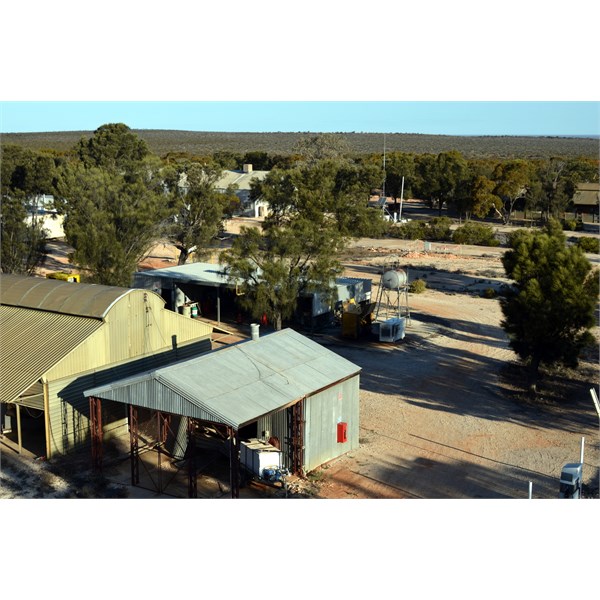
384 173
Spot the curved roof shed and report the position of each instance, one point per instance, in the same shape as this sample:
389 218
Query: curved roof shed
81 300
44 321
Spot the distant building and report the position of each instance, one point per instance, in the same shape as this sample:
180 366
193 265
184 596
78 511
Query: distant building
586 201
215 293
241 180
41 209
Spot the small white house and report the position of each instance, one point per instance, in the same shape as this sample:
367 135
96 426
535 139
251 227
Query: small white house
241 180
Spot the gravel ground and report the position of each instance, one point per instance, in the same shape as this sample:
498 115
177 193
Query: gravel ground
442 415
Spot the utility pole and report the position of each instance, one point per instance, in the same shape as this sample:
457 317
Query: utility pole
597 405
384 173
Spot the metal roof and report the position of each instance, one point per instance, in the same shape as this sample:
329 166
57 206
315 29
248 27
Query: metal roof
33 341
79 299
587 194
237 384
240 179
204 273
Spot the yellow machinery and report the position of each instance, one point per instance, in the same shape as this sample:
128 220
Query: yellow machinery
357 319
71 277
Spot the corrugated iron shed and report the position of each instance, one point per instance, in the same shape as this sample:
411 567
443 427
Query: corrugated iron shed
81 299
44 338
208 274
237 384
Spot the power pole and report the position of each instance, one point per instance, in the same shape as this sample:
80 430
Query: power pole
597 405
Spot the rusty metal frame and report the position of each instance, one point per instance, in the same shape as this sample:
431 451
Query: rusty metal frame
157 447
96 432
296 428
191 452
163 427
134 445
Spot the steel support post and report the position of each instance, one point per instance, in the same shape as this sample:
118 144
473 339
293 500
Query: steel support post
191 451
165 421
159 424
19 434
297 429
134 445
96 432
234 462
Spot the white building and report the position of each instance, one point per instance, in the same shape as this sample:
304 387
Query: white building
241 181
42 210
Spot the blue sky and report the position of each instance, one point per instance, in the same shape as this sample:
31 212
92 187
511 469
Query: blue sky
432 117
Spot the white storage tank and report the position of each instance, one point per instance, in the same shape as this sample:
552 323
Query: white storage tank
392 330
394 279
257 456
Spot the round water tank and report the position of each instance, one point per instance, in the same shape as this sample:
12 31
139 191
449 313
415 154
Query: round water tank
392 280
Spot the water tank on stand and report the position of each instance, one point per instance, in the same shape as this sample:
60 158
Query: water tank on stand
394 279
392 299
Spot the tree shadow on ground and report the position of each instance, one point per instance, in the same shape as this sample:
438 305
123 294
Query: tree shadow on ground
462 382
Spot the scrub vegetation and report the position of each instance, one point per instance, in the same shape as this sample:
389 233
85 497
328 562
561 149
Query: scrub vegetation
191 143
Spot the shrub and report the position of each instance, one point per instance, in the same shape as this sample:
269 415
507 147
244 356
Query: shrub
413 230
589 244
438 229
418 286
489 293
572 224
477 234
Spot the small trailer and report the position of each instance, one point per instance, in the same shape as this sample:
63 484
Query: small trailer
262 461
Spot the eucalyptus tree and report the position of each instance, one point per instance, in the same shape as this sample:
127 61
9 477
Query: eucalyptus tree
198 209
513 181
25 176
274 267
399 174
315 208
22 241
113 198
442 179
555 182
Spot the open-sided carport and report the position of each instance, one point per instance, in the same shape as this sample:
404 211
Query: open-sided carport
302 390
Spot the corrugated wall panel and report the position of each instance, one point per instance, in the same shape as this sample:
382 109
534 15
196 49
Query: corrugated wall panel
322 413
32 341
68 413
69 408
129 331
